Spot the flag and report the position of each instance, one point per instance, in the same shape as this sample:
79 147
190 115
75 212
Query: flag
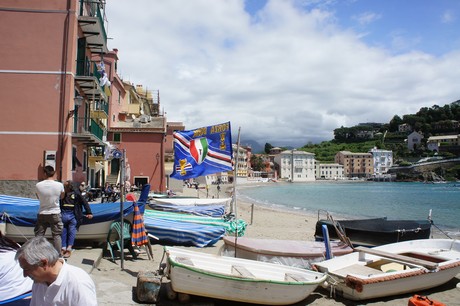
138 237
202 151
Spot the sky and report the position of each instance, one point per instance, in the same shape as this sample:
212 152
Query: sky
289 72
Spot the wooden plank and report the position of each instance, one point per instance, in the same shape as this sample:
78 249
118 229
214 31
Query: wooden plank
241 271
401 258
292 277
184 260
358 270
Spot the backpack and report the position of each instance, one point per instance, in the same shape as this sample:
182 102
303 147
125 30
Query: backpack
418 300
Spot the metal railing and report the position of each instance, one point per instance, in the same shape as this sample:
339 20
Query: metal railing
94 8
89 126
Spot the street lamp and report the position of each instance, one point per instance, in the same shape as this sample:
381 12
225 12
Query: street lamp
78 100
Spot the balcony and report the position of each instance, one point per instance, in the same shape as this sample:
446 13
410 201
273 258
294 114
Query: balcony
91 21
88 131
87 79
99 110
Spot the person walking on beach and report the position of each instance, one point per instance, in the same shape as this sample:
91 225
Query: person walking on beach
55 281
49 192
72 206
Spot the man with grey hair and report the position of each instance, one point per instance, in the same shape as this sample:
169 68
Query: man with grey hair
49 192
55 281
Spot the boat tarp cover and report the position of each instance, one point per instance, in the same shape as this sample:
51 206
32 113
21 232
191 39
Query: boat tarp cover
230 226
189 230
201 210
23 211
190 201
183 233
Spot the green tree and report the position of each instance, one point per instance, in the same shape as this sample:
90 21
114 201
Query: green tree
268 147
257 163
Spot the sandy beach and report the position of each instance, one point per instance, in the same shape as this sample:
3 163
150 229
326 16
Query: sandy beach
262 223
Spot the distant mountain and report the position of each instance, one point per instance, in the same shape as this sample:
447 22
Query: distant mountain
256 147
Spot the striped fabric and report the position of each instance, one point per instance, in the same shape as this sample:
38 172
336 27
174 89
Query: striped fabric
229 225
138 236
200 210
183 233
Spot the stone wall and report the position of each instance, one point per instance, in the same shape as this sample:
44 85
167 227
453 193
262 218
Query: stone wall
24 189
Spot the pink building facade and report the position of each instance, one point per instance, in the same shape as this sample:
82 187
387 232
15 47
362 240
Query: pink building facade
61 95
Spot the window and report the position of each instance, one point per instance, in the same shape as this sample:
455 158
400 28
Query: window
74 158
85 161
116 137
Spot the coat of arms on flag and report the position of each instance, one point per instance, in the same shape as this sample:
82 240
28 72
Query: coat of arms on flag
202 151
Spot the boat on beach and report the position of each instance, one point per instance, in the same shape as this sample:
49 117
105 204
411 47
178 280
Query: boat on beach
374 231
20 216
239 280
392 269
200 210
190 201
190 230
293 253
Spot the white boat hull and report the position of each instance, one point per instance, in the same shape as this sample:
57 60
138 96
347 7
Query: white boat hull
95 232
213 276
190 201
364 275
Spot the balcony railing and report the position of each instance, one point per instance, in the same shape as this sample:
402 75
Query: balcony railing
91 19
87 79
88 68
89 128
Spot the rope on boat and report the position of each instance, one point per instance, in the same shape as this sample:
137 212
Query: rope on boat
6 216
432 224
340 231
333 283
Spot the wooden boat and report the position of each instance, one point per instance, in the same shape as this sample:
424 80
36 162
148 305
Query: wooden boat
238 279
199 210
392 269
293 253
20 216
189 230
375 231
189 201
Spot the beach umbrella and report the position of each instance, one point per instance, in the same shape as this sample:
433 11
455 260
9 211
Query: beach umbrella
139 237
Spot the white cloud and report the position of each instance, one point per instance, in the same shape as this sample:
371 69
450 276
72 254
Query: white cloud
448 17
367 18
286 77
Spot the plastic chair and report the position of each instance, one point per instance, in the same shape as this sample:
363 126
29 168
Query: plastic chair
115 235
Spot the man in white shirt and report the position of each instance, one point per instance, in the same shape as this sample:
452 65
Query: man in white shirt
49 192
13 283
55 281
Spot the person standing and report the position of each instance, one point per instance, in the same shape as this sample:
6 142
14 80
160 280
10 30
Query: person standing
49 192
55 281
12 281
72 206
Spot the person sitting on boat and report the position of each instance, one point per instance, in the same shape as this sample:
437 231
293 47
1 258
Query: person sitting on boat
72 215
13 284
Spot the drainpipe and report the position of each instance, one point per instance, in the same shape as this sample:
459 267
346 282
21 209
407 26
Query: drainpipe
62 98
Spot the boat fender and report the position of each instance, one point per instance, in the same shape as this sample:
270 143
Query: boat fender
419 300
354 284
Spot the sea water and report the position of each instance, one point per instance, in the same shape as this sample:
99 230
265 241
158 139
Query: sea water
345 199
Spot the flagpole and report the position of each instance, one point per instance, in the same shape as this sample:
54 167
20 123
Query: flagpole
122 196
235 175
